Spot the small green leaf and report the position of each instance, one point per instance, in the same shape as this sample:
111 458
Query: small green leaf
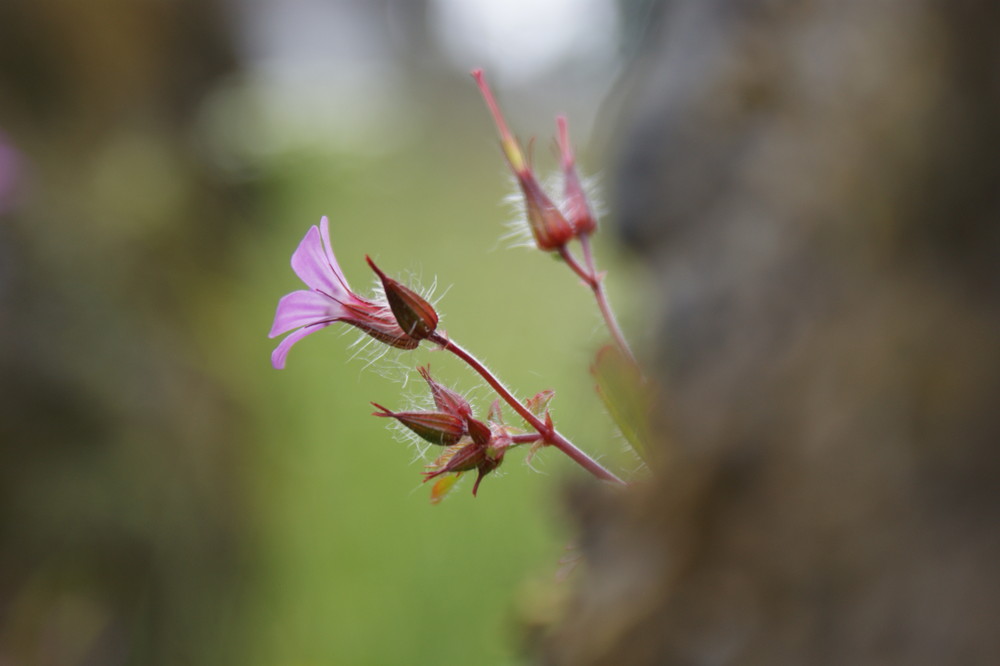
442 487
627 395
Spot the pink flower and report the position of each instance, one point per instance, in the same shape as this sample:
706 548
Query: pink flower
329 299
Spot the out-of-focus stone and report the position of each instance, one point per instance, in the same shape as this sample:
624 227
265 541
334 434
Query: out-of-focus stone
815 186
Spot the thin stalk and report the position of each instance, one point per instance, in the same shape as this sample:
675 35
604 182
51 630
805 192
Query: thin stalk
593 280
587 276
548 433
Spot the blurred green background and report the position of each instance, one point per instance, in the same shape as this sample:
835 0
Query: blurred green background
167 497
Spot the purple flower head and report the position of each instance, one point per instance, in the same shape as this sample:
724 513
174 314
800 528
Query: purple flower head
329 299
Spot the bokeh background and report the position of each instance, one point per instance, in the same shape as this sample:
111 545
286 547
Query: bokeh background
811 188
167 497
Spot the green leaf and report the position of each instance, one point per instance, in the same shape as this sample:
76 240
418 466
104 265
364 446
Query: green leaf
627 395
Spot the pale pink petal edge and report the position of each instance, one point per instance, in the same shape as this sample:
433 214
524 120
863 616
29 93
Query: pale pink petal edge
281 351
311 264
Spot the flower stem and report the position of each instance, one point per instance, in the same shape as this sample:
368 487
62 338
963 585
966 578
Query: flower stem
582 272
589 275
548 433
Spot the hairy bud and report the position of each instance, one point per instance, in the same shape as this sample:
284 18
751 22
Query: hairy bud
414 315
435 427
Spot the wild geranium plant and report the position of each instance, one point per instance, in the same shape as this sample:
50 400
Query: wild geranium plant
402 318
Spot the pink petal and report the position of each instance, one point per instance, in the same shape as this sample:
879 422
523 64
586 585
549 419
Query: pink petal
281 351
315 265
324 230
302 308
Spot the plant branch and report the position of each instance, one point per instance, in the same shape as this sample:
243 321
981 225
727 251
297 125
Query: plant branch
596 283
548 433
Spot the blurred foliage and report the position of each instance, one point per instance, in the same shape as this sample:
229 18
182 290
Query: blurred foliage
628 396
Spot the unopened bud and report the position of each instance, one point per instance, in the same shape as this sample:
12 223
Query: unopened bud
435 427
479 431
548 226
445 399
414 315
484 454
460 458
577 209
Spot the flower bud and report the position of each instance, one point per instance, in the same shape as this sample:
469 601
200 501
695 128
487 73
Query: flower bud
414 315
484 453
459 458
435 427
548 226
445 399
484 468
577 209
493 457
479 431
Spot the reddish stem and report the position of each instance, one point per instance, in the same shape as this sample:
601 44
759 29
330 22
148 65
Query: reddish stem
587 276
593 280
602 299
548 433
